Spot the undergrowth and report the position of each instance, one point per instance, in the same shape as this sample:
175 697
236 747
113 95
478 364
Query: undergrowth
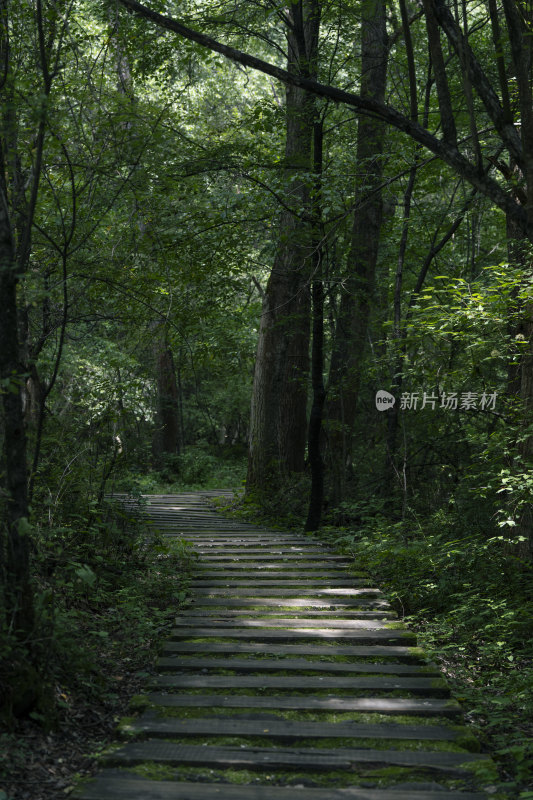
106 593
199 467
469 597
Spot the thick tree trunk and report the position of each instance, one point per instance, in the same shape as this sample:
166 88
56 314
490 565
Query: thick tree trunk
355 303
18 596
278 427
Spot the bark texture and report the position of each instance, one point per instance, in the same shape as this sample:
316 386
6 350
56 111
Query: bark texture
278 426
167 435
358 287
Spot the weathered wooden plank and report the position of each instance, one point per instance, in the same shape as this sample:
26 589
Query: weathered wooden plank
295 757
268 546
244 543
279 572
259 558
289 622
303 585
152 725
177 662
324 650
273 634
344 605
429 687
295 590
111 785
314 613
419 707
232 567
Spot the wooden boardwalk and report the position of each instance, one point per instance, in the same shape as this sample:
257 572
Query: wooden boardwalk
288 676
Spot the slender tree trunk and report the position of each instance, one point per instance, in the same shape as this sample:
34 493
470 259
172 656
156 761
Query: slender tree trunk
355 303
278 426
316 462
167 438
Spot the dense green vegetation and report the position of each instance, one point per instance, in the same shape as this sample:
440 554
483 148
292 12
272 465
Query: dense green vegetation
184 236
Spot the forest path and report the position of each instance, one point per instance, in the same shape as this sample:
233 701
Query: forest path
287 676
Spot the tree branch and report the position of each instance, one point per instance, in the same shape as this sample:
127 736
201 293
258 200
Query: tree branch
447 152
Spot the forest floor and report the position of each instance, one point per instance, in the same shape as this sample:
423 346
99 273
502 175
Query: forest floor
36 764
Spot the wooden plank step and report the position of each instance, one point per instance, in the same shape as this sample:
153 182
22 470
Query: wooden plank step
296 602
251 535
152 725
273 548
429 687
270 634
209 548
232 567
294 590
205 527
208 523
113 785
244 544
290 622
250 542
279 758
419 707
266 665
303 585
182 509
409 654
242 556
223 613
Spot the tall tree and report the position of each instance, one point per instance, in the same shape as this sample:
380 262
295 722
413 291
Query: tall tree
278 425
358 285
19 188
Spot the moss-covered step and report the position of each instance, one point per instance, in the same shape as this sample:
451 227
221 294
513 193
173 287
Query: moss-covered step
315 557
407 706
317 614
232 533
178 662
429 687
305 583
152 725
296 602
280 758
277 569
375 651
244 546
285 634
114 785
296 589
192 620
212 550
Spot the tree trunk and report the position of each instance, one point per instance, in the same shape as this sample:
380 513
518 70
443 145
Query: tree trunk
278 427
355 303
316 462
167 435
18 596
